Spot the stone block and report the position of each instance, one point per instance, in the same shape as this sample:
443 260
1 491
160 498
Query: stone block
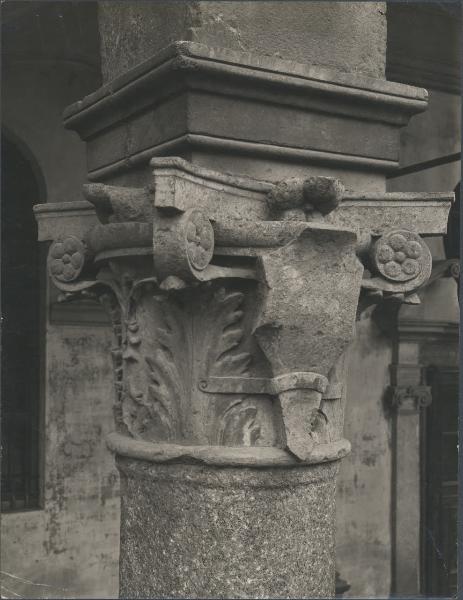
190 98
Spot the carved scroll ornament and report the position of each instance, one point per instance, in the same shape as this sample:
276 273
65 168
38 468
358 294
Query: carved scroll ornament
232 302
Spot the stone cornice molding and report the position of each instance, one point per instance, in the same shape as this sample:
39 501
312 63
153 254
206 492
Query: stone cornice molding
197 142
189 80
370 213
190 56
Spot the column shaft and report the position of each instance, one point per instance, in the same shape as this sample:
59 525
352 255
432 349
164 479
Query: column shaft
200 531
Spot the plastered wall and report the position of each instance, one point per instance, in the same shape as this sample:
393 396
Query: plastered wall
363 502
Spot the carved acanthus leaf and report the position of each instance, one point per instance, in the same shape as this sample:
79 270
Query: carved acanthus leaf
238 425
203 335
227 333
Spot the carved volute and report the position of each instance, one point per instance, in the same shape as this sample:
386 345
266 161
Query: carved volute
233 301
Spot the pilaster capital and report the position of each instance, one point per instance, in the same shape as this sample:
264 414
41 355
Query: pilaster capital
410 399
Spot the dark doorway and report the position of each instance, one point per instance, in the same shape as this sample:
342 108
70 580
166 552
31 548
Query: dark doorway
440 484
21 309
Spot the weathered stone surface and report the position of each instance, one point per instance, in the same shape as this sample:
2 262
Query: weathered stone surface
289 197
119 204
191 531
263 28
153 26
313 287
299 31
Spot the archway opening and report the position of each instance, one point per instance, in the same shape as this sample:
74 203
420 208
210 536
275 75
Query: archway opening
21 309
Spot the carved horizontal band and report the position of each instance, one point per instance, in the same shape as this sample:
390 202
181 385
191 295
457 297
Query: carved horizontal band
265 150
224 456
196 473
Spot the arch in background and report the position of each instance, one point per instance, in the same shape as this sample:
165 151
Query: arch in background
22 186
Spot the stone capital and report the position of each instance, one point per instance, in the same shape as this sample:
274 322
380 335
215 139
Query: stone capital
229 329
